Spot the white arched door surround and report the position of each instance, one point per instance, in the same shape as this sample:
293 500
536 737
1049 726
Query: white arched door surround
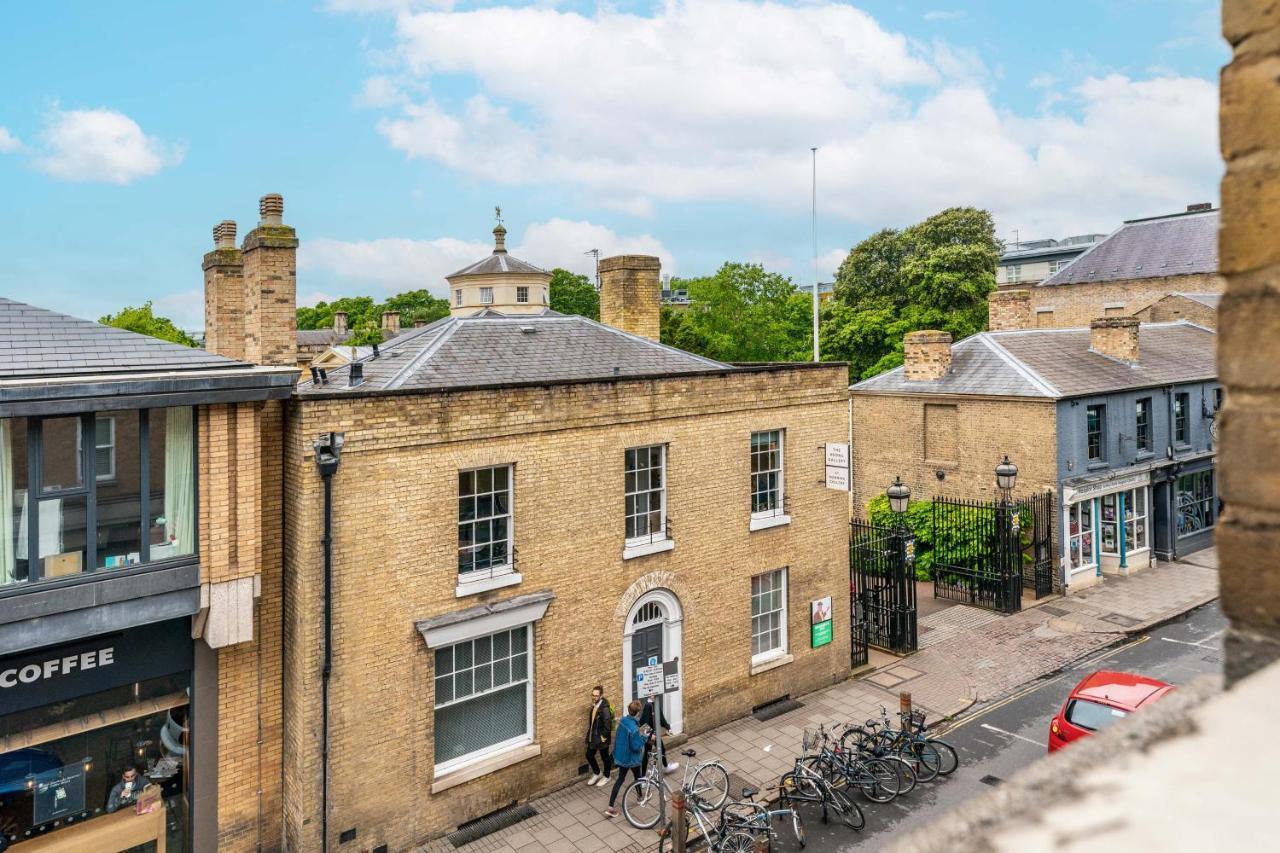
657 609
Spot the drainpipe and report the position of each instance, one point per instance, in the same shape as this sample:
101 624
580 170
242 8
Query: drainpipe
327 448
1120 524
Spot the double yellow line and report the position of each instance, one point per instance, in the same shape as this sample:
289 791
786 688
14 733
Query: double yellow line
1034 686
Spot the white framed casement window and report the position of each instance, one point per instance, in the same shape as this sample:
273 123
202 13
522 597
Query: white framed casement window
646 500
486 296
483 697
1080 532
104 447
768 616
1133 525
768 508
522 293
457 297
1014 272
486 530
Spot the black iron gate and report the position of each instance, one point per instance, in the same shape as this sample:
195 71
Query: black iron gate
985 552
882 590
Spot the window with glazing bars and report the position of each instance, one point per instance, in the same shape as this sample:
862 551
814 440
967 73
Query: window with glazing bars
1181 402
766 473
1142 413
1095 426
483 689
646 493
769 613
484 522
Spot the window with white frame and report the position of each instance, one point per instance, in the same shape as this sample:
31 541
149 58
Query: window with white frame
646 494
104 447
1080 531
484 696
1134 523
1014 272
769 615
486 296
522 294
457 297
766 474
1055 266
484 522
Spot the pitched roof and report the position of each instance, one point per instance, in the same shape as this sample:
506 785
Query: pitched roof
498 262
491 348
1057 363
36 342
1181 244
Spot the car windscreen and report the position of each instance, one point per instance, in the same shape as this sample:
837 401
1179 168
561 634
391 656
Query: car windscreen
1091 715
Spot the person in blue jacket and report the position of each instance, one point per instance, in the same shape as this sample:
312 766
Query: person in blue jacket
628 752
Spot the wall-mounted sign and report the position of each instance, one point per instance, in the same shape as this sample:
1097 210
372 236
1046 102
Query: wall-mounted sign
657 679
837 466
820 622
820 610
58 793
820 634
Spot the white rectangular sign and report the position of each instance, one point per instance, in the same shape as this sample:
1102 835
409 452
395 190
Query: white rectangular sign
649 681
671 676
838 478
837 456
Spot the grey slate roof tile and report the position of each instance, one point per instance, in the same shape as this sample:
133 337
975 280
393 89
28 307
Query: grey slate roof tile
1176 245
38 342
499 262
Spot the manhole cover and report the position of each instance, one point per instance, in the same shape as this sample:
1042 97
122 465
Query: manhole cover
1118 619
1054 611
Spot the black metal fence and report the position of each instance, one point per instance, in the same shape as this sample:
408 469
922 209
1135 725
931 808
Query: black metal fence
882 584
985 552
1039 559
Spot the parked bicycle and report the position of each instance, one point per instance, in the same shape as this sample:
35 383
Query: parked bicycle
644 802
878 779
717 836
757 818
805 785
932 757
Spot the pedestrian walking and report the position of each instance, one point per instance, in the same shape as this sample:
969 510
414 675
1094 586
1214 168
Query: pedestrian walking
628 752
599 733
648 722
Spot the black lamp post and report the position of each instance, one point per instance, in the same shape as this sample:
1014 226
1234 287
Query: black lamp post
1006 476
902 614
899 495
1008 554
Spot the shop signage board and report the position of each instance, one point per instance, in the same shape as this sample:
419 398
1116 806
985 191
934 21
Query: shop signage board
58 793
657 679
820 634
837 464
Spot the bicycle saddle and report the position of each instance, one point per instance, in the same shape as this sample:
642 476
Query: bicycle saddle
690 753
748 792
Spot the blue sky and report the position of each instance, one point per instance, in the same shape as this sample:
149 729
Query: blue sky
393 127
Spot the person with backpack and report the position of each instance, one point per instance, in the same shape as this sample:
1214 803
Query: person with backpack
628 749
599 733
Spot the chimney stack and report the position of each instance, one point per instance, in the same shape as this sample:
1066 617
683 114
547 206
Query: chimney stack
1008 310
631 294
391 323
270 287
1115 337
926 355
339 323
224 294
418 324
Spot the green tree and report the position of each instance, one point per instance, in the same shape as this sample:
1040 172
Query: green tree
415 306
364 315
574 294
742 313
144 321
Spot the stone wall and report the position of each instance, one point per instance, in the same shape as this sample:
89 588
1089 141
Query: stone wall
1176 307
1074 305
1248 344
395 562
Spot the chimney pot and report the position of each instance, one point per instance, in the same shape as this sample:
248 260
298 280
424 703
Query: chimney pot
631 294
224 235
418 324
1008 310
271 209
1115 337
340 322
1199 207
926 355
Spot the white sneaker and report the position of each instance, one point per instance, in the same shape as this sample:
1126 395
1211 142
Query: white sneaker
604 780
673 767
595 777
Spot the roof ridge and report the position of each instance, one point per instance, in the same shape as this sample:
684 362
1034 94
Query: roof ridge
1013 361
1095 245
424 354
649 341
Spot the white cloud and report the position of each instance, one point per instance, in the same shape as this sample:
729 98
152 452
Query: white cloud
633 110
394 264
101 145
771 261
185 309
828 262
943 15
8 142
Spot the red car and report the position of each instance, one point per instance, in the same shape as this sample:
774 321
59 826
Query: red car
1100 700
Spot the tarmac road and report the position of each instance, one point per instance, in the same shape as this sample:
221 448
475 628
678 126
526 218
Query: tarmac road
996 739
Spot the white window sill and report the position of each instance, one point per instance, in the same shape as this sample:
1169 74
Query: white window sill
764 522
484 766
772 660
646 548
466 588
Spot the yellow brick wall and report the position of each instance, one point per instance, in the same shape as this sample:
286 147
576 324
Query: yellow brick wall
1074 305
395 541
1173 308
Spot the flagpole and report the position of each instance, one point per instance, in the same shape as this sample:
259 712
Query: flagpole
814 151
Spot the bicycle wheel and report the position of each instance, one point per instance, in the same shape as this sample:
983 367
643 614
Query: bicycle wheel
737 841
878 780
641 803
824 767
928 760
906 773
850 815
711 786
950 761
797 828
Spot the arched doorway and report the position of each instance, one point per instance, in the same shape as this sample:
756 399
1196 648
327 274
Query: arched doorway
653 629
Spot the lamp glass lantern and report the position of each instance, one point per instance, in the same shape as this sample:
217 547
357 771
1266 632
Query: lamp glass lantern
1006 475
899 495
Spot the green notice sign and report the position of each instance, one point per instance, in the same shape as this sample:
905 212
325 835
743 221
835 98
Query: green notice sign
820 634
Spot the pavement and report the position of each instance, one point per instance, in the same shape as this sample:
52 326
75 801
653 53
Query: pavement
966 655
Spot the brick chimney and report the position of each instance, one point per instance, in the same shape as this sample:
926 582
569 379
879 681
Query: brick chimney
418 324
926 355
631 294
1008 310
270 287
1115 337
391 323
339 323
224 294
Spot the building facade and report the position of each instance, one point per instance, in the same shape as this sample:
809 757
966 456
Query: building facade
123 618
1032 261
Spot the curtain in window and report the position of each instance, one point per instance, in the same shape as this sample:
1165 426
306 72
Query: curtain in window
179 480
8 567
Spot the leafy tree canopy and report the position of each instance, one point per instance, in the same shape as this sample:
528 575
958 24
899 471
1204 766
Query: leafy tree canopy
574 294
364 316
146 322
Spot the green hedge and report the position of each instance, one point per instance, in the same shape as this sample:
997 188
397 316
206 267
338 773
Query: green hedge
919 520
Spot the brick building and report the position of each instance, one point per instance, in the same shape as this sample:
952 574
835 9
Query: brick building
1199 308
1134 266
519 505
1115 419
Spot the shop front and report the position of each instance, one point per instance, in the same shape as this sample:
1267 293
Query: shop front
94 740
1187 508
1108 526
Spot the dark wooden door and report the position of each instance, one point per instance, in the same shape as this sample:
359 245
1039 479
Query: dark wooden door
645 643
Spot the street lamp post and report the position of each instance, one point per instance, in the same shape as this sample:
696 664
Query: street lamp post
1008 553
899 494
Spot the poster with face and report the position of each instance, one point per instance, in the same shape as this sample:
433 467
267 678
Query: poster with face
820 610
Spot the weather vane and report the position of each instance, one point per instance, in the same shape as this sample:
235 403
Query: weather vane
497 211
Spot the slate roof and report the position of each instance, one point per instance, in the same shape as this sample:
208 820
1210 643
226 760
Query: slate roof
1181 244
498 262
491 348
1210 300
36 342
1057 364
